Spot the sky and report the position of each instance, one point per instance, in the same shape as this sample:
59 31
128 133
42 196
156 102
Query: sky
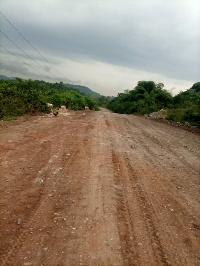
106 45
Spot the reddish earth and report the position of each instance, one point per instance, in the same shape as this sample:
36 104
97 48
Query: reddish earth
98 188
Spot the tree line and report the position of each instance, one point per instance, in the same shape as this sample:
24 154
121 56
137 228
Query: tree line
148 97
18 97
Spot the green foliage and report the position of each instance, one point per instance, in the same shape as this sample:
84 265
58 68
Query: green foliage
192 116
195 87
148 97
175 114
18 97
104 100
184 115
189 103
91 103
73 100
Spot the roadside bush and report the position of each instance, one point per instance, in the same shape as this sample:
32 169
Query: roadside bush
192 117
145 98
18 97
148 97
172 116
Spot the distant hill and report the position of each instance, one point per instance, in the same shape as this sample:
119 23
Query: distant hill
5 77
85 90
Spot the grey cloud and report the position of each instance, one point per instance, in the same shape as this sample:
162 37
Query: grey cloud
47 68
17 69
14 67
156 36
167 54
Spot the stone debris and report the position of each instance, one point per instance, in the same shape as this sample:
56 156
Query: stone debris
162 114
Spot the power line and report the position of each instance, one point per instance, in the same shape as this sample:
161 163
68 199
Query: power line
25 52
25 62
29 42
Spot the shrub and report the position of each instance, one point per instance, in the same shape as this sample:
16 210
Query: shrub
18 97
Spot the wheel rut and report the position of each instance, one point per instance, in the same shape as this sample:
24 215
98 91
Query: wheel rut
125 225
127 178
7 258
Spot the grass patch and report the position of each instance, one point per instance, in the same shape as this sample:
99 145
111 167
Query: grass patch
184 115
8 118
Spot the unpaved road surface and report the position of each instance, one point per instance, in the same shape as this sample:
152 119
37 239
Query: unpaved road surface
98 188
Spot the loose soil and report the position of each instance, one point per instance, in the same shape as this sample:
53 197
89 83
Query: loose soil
98 188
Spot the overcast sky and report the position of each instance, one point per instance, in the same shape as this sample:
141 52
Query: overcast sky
107 45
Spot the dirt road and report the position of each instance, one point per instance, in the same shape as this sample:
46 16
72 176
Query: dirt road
98 188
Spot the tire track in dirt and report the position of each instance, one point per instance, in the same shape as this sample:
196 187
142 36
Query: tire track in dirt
107 197
125 225
126 178
18 241
66 157
124 216
139 171
99 241
42 198
129 179
148 214
37 155
174 213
